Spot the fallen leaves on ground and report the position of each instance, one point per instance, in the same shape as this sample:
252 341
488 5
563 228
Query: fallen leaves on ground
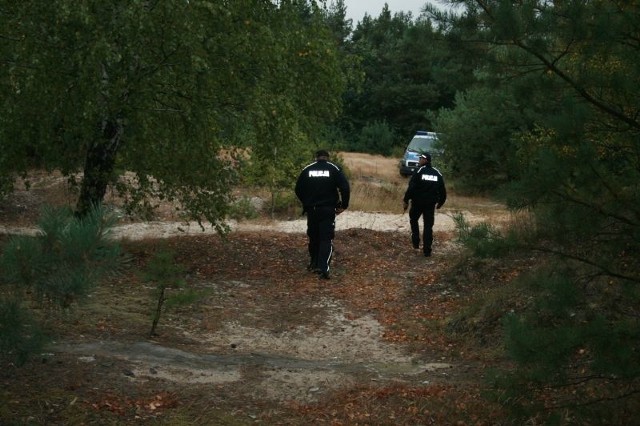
373 273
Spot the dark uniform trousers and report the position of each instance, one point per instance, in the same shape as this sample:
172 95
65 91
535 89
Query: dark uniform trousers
321 230
427 211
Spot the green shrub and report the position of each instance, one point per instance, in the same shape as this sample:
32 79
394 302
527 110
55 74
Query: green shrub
169 290
243 209
285 203
376 138
57 267
483 239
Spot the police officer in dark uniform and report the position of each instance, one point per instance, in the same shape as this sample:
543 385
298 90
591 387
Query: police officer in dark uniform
427 192
324 192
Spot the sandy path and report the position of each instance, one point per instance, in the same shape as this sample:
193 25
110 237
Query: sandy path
347 220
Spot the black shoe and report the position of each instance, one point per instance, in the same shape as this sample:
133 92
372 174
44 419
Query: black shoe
416 246
314 269
427 254
324 275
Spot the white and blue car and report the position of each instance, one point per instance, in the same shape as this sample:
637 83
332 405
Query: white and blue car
422 142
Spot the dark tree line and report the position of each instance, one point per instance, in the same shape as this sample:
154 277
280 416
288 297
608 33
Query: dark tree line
409 69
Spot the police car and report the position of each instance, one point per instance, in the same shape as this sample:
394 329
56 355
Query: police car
421 142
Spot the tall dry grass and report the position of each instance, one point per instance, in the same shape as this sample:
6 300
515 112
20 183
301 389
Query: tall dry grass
376 184
375 196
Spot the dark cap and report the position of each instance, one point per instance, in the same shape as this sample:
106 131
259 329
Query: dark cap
322 153
426 156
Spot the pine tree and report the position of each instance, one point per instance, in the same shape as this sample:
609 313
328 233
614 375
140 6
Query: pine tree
55 268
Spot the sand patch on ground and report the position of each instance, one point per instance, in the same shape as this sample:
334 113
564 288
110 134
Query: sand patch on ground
347 220
299 364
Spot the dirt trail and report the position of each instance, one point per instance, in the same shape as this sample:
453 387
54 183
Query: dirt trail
347 220
298 364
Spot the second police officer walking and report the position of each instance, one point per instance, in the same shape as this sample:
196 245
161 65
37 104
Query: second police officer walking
427 192
324 192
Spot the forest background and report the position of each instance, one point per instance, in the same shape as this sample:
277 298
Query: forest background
536 104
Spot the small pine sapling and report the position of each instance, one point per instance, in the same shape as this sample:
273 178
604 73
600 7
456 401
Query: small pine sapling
57 267
166 274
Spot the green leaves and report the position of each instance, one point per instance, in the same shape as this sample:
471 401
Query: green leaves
65 259
60 265
168 277
554 102
165 88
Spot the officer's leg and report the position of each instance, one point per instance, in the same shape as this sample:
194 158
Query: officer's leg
314 240
414 217
427 238
326 227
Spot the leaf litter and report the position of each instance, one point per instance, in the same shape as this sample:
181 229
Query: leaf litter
264 329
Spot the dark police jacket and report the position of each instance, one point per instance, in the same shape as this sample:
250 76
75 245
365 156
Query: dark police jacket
426 187
322 184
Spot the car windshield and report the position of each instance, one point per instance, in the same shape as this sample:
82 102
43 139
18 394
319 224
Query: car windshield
421 143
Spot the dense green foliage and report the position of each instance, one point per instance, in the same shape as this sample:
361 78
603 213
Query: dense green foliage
409 72
55 268
554 120
163 90
479 151
286 126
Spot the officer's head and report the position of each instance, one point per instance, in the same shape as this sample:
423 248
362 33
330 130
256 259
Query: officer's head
425 158
322 154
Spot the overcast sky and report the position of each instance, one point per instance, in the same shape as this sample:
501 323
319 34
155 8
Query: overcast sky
357 8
